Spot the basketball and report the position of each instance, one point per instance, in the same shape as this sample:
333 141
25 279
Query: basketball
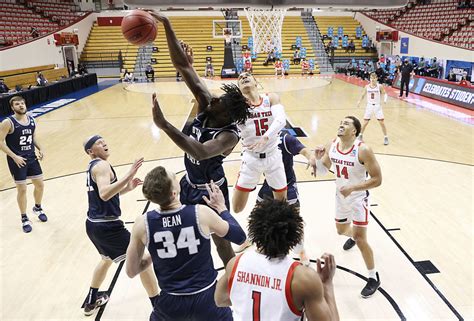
139 27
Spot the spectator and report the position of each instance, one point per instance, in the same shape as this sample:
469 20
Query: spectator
82 69
304 67
246 55
420 68
40 79
451 76
351 46
296 57
270 57
209 69
150 73
34 32
433 71
127 76
3 87
278 67
248 66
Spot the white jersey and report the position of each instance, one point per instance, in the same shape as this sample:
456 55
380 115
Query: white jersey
347 167
373 94
260 289
257 124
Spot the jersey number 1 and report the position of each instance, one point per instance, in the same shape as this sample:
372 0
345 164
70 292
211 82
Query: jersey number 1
343 172
256 297
261 126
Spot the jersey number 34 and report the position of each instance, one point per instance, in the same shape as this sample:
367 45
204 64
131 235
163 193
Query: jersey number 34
186 239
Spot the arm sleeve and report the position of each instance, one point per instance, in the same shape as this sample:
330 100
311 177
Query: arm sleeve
292 144
279 121
235 234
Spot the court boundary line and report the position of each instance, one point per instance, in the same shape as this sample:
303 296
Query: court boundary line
433 286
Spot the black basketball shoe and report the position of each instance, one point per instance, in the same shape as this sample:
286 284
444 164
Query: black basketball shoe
349 244
371 286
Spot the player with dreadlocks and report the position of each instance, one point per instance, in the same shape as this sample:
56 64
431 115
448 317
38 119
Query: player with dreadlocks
267 284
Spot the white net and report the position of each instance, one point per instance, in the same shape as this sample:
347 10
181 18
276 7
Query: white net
266 25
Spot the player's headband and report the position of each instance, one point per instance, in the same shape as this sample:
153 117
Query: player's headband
91 142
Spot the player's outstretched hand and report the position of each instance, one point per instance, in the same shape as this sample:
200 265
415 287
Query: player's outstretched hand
319 151
258 145
158 117
216 199
345 190
135 166
327 272
134 183
157 15
188 50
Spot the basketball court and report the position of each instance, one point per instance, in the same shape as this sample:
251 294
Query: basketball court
421 214
421 219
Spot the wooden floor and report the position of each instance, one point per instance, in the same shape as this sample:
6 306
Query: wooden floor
422 212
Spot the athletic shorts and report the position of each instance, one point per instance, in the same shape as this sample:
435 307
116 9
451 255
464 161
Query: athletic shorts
267 192
192 195
353 208
196 307
255 164
111 239
373 109
32 170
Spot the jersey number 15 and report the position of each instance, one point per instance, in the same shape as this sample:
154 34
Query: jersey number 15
261 126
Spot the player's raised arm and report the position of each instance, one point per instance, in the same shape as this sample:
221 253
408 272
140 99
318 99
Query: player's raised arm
183 64
323 162
199 151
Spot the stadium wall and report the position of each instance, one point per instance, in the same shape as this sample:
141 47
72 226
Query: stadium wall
417 46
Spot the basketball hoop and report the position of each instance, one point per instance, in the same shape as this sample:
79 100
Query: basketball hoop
266 26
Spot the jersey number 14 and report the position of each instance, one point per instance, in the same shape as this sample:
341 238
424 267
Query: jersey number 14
342 172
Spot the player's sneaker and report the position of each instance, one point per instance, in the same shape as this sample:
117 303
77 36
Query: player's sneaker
89 308
38 211
385 140
349 244
26 225
371 286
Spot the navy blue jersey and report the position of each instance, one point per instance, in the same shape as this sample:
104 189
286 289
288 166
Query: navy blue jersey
181 253
20 141
98 208
290 146
203 171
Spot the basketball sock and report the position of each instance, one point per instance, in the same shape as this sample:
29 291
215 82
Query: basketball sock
152 300
24 218
38 206
372 274
92 296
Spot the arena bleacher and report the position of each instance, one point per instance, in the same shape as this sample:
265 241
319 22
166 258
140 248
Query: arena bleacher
17 19
442 21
